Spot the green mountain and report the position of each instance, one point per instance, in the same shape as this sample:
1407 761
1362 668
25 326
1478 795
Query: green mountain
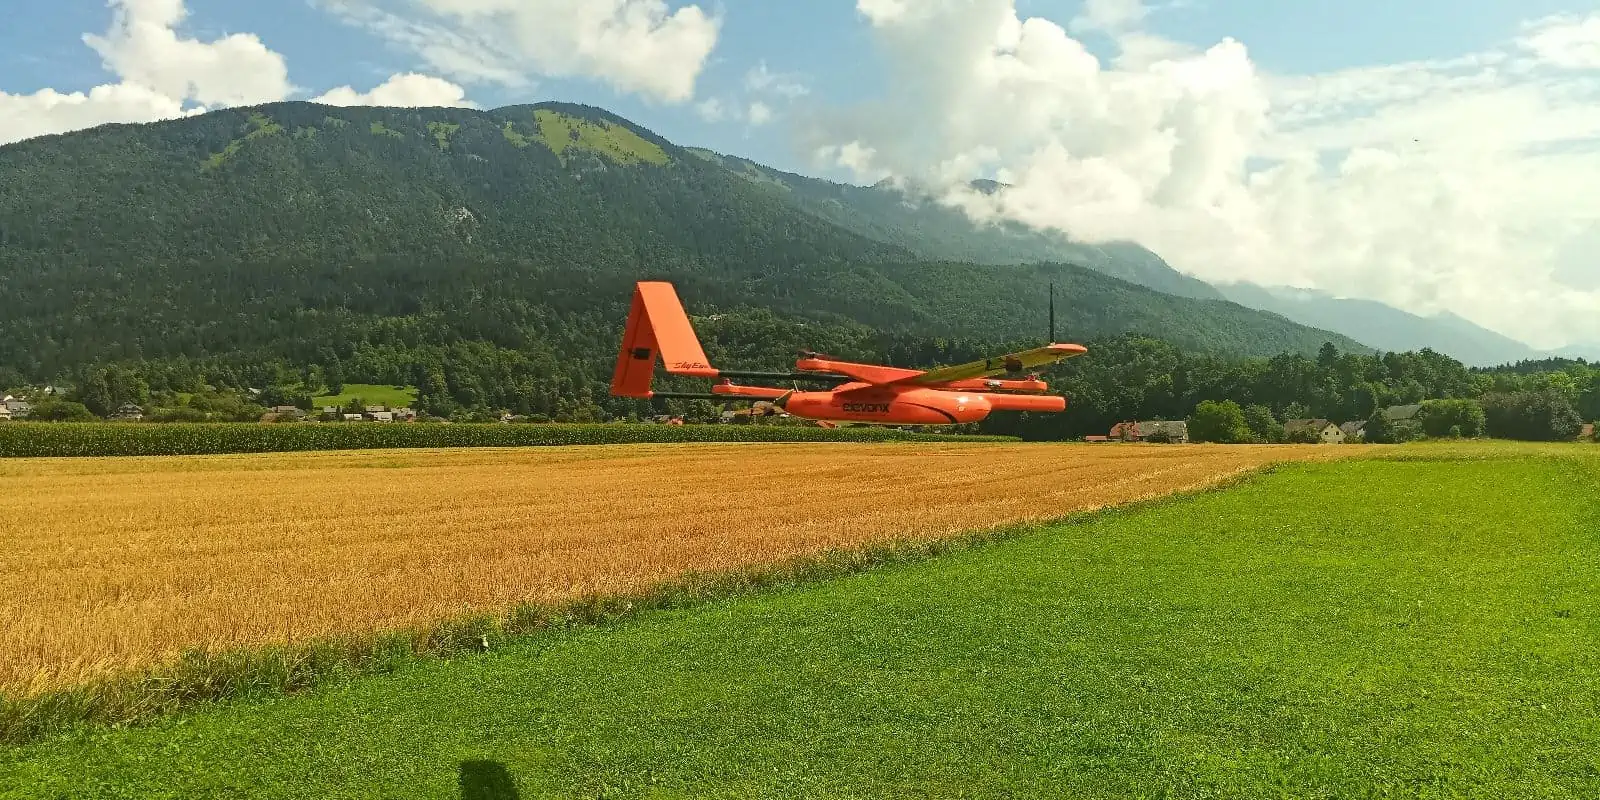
910 218
484 254
1383 326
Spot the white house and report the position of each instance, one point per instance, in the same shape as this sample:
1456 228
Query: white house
1326 432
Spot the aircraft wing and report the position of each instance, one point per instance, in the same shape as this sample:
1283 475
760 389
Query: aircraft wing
1000 365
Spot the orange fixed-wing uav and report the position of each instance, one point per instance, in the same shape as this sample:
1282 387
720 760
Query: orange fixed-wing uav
863 394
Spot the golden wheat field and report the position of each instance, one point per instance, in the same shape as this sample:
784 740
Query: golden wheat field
118 563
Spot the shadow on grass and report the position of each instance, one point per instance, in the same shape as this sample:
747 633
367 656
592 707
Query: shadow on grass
487 780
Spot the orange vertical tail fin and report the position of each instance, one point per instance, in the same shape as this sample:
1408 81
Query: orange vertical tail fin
657 326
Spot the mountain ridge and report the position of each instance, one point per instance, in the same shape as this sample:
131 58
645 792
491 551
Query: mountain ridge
368 235
1389 328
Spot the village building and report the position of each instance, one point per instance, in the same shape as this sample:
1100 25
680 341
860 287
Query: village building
18 408
277 413
1323 430
1176 432
1407 413
128 412
5 413
1354 431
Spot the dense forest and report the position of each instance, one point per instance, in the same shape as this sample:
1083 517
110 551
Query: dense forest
1139 378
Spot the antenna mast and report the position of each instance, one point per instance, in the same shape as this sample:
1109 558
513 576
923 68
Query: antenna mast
1052 339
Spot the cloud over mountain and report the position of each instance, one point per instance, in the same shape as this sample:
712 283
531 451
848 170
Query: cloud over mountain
1459 184
639 46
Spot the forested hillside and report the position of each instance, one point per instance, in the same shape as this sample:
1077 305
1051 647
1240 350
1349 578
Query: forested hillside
486 257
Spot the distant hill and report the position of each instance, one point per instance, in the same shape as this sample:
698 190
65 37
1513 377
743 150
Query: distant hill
393 238
1585 351
1383 326
912 219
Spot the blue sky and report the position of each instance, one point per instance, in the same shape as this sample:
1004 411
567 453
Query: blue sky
1431 154
824 42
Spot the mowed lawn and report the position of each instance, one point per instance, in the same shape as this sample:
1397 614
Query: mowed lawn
370 394
1344 629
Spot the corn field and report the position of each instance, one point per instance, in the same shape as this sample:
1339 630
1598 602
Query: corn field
18 440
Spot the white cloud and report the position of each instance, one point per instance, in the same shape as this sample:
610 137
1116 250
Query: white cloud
1109 15
164 75
763 97
639 46
1568 41
711 109
409 90
1458 184
48 111
143 48
761 80
160 76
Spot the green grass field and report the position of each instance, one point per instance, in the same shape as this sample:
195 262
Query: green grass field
371 395
1370 628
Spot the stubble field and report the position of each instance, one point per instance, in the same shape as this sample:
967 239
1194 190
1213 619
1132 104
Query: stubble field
109 565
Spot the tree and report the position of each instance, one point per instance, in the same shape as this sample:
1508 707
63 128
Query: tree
1438 417
1380 429
54 410
94 394
1327 357
1305 434
1542 416
1263 426
333 375
1219 422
